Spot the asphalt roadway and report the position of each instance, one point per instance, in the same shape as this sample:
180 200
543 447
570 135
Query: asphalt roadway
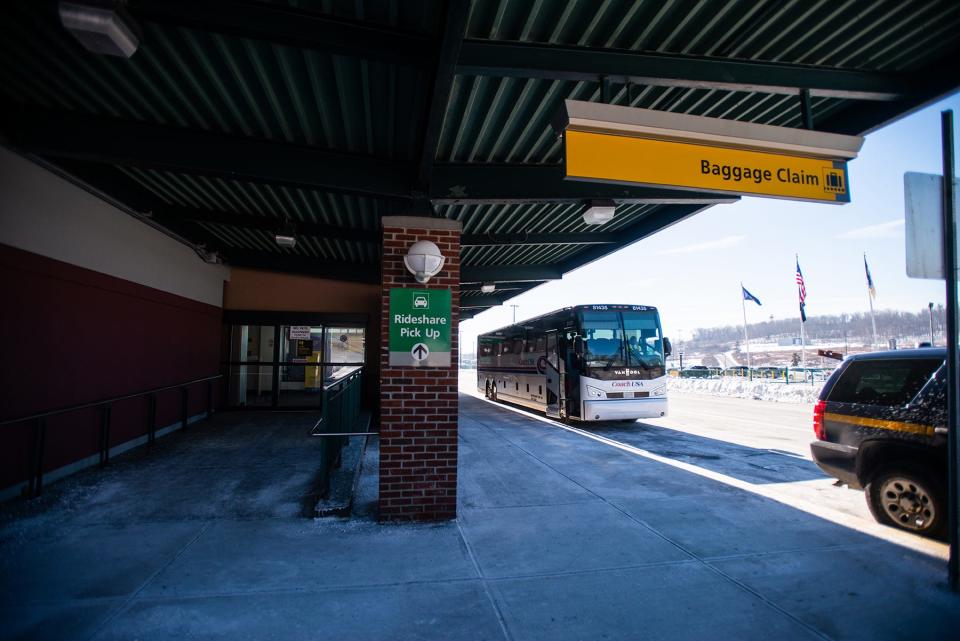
759 446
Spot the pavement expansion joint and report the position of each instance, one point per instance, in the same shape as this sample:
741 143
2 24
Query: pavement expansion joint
792 551
593 571
494 603
527 505
321 589
132 598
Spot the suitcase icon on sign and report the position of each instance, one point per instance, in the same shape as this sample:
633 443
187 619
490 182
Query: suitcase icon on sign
834 181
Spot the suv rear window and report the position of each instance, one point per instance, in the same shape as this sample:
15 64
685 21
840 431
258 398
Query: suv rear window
883 382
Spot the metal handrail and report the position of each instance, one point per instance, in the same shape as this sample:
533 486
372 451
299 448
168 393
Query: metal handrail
338 388
35 480
72 408
340 412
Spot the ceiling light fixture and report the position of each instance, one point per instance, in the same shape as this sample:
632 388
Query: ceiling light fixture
101 29
488 288
207 255
286 237
600 212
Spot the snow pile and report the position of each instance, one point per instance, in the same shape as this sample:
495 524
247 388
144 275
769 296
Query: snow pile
761 390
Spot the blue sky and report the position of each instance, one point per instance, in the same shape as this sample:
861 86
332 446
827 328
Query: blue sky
692 271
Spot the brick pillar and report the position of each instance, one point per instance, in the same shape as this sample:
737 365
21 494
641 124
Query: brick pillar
418 406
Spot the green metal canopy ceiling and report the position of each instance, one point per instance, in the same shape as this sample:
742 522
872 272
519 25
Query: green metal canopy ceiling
233 117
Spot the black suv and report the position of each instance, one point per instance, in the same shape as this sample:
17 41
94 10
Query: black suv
881 422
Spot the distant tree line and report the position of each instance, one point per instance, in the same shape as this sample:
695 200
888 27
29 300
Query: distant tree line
852 327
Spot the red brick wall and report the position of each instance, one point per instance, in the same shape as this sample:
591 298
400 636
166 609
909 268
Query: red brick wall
418 406
75 336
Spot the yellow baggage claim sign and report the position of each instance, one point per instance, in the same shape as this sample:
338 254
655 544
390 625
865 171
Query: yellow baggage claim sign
610 143
615 158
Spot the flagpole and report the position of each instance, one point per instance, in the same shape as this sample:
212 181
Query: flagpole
873 321
803 340
803 351
746 338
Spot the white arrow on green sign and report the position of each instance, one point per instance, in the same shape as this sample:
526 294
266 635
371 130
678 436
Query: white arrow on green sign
420 327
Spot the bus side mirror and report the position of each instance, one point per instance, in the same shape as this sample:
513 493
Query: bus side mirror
667 347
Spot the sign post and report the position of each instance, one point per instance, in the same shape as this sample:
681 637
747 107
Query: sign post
420 327
949 240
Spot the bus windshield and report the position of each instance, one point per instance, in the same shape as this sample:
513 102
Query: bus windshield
623 340
644 344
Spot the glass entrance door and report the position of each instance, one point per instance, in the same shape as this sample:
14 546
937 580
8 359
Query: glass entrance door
251 373
286 366
301 369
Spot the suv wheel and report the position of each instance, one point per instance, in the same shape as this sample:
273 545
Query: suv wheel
908 498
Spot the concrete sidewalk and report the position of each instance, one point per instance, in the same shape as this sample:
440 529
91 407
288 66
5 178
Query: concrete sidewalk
559 537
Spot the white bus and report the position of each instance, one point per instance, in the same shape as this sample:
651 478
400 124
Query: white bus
585 363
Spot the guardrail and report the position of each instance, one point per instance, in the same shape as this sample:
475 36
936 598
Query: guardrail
776 374
35 474
340 414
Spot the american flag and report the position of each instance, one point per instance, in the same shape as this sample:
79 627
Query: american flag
802 290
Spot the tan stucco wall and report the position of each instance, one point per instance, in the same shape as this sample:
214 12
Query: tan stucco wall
252 289
255 290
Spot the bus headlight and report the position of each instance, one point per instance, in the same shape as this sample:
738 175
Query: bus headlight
660 391
593 392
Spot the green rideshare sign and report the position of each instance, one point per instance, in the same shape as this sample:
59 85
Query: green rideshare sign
420 327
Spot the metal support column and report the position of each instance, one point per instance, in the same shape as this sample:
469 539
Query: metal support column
953 390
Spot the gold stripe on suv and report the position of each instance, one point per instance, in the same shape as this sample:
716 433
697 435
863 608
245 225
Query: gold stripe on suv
896 426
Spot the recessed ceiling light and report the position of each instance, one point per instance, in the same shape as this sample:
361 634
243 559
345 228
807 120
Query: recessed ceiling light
286 237
600 212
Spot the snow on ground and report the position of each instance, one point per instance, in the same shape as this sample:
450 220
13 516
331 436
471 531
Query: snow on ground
763 390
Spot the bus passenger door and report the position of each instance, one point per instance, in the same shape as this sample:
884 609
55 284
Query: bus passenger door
554 373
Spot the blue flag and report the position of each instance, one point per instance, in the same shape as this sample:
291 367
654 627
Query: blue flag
870 287
748 296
